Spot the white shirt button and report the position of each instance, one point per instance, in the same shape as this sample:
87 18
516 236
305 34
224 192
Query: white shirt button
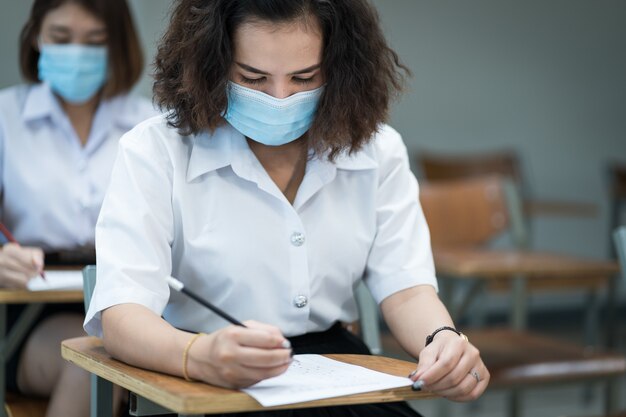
300 301
297 239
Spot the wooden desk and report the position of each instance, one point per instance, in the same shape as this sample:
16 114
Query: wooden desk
184 397
46 297
35 301
522 269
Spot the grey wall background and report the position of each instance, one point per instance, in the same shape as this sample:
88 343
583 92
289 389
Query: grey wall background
546 77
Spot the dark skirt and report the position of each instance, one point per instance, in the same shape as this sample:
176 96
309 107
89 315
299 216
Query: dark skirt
334 340
13 313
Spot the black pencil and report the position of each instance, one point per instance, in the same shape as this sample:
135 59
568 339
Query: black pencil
180 287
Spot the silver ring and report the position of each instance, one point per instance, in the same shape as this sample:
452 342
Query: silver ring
475 374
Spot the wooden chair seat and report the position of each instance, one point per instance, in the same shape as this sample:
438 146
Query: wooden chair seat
496 264
519 358
544 271
24 406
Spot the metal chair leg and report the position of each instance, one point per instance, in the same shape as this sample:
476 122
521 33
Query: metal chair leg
515 401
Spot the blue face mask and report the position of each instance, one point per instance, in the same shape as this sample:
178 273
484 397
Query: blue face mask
269 120
75 72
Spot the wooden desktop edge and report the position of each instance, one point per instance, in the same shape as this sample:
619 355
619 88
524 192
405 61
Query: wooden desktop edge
185 397
51 296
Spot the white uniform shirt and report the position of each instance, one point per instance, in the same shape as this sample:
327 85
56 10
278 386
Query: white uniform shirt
51 187
204 210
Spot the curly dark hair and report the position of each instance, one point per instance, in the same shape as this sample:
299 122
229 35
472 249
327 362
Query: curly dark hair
125 54
362 73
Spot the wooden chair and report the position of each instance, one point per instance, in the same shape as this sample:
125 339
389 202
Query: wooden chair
463 215
619 240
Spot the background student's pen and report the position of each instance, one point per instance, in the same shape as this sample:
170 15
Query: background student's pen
10 238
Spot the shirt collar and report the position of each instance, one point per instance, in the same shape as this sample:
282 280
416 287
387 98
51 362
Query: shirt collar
211 152
41 103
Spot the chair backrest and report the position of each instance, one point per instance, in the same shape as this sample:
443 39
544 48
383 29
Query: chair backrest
471 212
369 319
437 167
89 283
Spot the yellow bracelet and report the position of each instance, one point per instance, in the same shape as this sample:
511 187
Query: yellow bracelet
186 354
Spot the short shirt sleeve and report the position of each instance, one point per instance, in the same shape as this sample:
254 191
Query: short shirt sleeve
134 229
401 255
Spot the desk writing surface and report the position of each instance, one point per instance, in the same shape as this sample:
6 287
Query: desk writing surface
15 296
185 397
57 280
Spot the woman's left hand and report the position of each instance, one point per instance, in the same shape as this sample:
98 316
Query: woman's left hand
451 367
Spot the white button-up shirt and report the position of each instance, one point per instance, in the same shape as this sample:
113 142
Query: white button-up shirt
51 187
204 210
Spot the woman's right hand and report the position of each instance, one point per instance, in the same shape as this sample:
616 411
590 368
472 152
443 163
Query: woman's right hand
18 264
237 357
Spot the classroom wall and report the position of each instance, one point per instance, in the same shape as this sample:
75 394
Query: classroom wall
547 78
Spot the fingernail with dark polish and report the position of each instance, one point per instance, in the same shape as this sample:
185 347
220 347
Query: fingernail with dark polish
417 385
291 353
412 373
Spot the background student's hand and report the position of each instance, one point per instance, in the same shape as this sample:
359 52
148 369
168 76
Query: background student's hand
451 367
18 264
237 357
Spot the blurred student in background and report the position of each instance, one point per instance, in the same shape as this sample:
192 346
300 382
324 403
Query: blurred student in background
58 139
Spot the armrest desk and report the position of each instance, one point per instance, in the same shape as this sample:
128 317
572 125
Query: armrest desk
188 398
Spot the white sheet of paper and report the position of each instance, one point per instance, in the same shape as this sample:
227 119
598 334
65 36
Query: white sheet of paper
58 280
313 377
